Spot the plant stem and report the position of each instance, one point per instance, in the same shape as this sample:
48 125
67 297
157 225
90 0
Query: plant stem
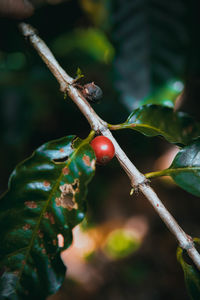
90 136
169 172
165 172
138 180
120 126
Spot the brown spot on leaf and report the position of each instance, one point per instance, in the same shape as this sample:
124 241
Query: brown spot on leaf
62 150
23 262
86 160
65 171
133 125
16 272
54 242
40 234
46 183
44 251
67 197
58 201
48 215
30 204
66 202
26 226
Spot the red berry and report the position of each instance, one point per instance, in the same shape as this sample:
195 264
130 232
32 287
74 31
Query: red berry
103 148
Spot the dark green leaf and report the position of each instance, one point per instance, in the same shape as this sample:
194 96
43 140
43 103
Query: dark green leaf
46 197
151 40
165 95
152 120
185 169
191 275
91 41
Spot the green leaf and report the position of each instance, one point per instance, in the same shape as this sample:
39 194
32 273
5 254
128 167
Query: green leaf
191 275
120 243
153 120
90 41
185 169
165 95
79 74
46 197
152 47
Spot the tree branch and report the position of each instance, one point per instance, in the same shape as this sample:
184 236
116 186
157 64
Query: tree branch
137 179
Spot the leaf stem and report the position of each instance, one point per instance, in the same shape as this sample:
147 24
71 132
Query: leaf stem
138 180
169 172
120 126
90 136
165 172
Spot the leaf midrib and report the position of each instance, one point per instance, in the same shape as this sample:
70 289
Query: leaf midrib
161 132
44 209
183 169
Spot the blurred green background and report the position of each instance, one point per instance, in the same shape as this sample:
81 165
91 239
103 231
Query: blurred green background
138 52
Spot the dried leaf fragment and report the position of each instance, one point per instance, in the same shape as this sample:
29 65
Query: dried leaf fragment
67 197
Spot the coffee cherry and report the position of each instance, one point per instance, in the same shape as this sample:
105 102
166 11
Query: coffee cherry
103 148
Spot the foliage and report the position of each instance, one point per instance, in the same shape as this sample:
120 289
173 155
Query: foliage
151 39
152 120
191 275
46 199
185 168
120 243
144 49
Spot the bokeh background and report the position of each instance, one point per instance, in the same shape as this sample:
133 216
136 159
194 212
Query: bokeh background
138 52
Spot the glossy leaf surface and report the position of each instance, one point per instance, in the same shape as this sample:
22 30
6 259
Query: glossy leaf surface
185 169
191 275
152 120
165 95
46 198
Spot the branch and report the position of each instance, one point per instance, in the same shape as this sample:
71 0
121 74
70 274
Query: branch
137 179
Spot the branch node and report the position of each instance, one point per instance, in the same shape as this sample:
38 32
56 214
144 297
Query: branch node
27 30
187 245
137 187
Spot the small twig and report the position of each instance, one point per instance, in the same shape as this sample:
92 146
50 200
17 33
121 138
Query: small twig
137 179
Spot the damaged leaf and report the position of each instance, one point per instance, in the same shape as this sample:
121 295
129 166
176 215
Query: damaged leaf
45 200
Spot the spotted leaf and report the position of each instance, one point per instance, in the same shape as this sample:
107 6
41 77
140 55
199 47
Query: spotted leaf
45 199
